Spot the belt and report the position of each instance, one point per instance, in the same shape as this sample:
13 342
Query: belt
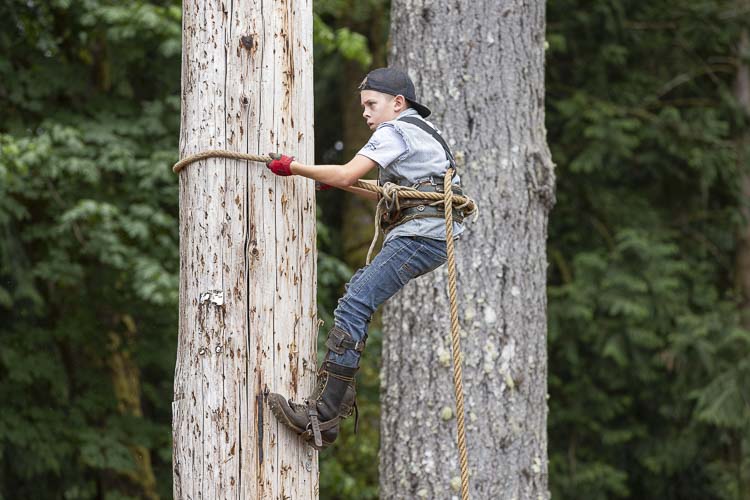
419 209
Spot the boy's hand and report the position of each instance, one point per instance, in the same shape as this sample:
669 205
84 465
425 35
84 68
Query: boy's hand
280 164
322 186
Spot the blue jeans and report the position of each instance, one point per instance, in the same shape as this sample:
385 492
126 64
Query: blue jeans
400 260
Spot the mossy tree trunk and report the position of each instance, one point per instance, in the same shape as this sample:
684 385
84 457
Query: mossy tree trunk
126 381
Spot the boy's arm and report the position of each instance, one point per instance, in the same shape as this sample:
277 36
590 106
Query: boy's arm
341 176
363 192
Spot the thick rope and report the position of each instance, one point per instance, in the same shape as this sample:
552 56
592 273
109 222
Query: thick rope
389 197
390 194
461 202
455 335
218 153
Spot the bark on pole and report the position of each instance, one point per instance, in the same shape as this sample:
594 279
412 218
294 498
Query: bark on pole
247 319
480 67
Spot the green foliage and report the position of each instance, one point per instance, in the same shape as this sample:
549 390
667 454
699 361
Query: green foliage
88 236
648 380
88 218
350 45
648 365
332 273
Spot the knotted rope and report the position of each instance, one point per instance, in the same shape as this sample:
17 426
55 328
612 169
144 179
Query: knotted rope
388 201
390 194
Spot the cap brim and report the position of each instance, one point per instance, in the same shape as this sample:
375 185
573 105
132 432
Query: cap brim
423 111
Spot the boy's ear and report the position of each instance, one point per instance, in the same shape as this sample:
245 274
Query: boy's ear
400 101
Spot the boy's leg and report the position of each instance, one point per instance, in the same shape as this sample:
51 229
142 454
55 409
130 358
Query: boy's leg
334 398
400 260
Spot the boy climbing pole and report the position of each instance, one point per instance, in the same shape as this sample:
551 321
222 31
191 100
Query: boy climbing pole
407 151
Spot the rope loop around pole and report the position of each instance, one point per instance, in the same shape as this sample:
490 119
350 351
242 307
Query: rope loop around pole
218 153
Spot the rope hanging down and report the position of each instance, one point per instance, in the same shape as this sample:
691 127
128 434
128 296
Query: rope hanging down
455 335
390 193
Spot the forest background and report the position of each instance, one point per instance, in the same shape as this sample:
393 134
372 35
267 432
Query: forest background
649 372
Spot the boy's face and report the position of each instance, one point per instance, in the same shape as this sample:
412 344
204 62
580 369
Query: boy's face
379 107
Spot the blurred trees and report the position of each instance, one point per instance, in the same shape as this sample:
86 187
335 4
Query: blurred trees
88 274
351 37
649 374
648 368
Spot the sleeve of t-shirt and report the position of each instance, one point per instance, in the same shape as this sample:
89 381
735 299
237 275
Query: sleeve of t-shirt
384 147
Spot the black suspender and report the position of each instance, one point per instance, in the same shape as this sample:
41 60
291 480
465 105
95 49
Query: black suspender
421 124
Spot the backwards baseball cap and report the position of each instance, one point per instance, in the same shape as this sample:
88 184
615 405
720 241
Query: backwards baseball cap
394 82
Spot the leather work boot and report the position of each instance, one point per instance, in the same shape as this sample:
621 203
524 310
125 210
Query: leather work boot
317 419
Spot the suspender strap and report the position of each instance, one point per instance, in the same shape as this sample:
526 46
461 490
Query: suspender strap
421 124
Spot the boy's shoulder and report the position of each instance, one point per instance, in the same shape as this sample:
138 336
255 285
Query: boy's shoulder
399 121
388 124
386 129
393 131
386 140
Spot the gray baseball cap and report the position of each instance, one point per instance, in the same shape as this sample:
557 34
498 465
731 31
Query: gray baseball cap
393 81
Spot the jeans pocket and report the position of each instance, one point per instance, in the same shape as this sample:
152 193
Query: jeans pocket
407 272
437 255
419 263
409 269
438 249
433 265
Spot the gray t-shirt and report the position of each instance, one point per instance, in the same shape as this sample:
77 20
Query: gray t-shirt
387 148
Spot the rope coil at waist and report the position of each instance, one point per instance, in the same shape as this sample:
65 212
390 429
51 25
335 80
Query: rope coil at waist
405 210
389 203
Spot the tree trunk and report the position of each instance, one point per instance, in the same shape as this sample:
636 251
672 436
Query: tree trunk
126 382
480 67
248 320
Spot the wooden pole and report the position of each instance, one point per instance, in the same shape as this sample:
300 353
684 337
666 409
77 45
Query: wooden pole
247 319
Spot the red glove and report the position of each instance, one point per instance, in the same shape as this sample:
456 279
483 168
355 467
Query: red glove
322 186
280 164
